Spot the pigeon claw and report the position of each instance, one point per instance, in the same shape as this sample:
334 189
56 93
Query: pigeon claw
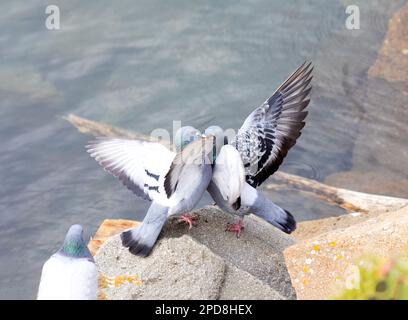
189 219
236 227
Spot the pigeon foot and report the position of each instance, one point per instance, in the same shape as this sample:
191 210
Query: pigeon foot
236 227
189 219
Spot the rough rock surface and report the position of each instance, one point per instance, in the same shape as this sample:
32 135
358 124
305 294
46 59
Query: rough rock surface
321 265
392 61
203 263
179 268
108 229
312 228
241 285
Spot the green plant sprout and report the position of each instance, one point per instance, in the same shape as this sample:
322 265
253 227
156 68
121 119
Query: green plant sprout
378 279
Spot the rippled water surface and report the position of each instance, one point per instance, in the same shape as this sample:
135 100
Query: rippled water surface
142 64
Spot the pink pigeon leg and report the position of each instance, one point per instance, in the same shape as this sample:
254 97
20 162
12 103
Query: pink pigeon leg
190 219
236 227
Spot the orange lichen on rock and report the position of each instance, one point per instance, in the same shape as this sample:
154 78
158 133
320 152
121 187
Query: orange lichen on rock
117 281
336 252
107 229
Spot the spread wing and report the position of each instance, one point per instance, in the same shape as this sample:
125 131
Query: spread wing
272 129
140 165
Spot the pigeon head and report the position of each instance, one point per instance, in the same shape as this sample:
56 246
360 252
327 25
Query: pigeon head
74 244
184 136
218 133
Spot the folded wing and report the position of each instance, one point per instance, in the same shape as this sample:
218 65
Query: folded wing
194 154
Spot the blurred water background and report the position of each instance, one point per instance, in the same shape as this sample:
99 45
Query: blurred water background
142 64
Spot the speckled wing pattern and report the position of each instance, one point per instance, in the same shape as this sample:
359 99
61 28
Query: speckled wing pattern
272 129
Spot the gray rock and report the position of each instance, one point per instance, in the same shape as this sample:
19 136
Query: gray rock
241 285
204 263
179 268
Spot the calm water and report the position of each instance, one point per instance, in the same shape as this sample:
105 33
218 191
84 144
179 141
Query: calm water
142 64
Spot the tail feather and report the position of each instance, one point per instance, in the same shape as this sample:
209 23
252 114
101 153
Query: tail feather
285 222
275 215
237 204
140 240
132 240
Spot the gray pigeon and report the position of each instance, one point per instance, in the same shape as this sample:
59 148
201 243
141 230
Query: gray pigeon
263 141
70 273
173 182
228 174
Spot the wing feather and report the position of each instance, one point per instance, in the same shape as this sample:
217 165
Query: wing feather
272 129
195 153
140 165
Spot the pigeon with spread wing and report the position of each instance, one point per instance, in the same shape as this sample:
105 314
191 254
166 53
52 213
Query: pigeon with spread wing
263 141
173 182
